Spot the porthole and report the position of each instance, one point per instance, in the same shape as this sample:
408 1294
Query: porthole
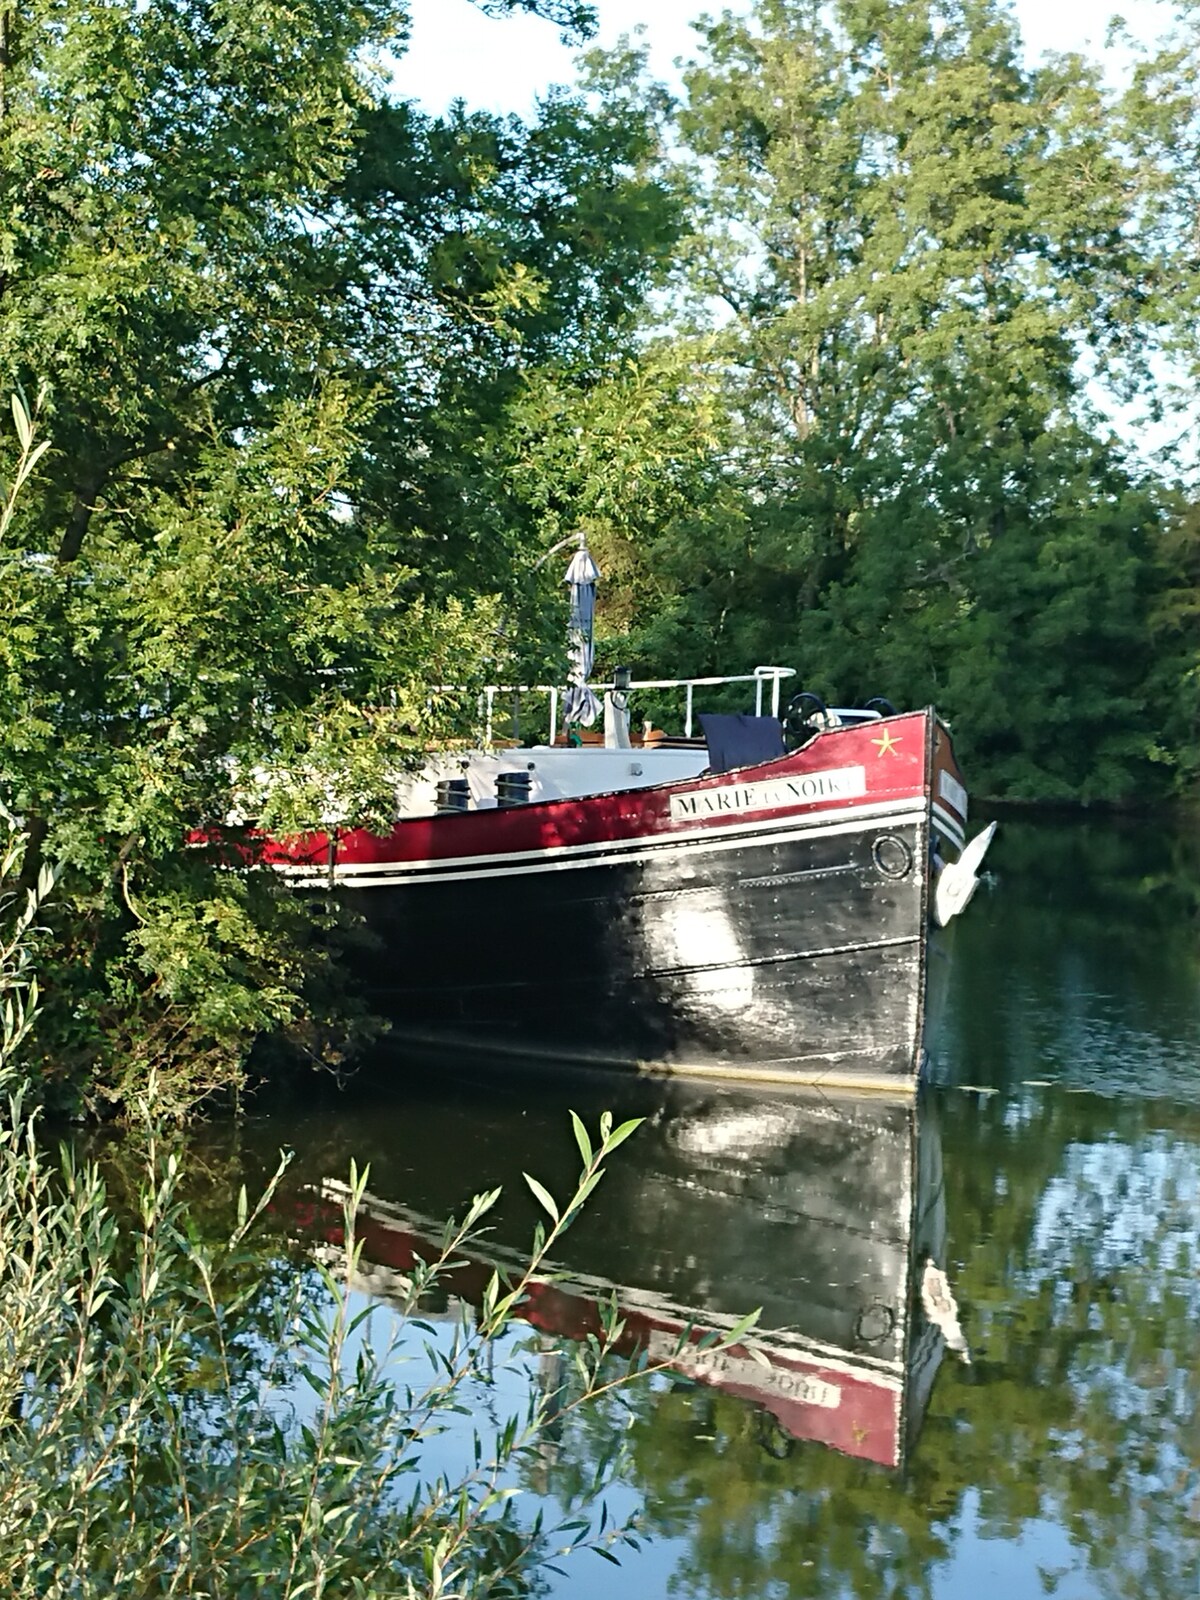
892 856
874 1322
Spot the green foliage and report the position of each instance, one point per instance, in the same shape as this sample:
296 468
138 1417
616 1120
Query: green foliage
279 322
629 463
173 1425
1176 640
576 18
18 979
1160 124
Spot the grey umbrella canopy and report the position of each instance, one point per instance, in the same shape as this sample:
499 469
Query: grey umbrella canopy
579 703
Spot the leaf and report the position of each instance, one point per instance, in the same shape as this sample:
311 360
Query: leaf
480 1206
23 424
741 1327
582 1140
31 461
543 1195
619 1135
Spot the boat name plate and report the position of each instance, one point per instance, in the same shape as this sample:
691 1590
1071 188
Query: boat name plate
738 1367
835 783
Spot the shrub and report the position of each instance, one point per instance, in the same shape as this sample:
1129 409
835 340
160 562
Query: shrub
148 1447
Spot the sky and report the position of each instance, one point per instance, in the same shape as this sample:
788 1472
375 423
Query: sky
502 64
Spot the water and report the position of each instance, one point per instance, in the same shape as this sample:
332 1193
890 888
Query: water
1051 1173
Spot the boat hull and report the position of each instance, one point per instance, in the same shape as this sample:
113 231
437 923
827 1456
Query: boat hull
791 956
767 923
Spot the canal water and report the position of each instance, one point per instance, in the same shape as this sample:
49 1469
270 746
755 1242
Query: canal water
978 1374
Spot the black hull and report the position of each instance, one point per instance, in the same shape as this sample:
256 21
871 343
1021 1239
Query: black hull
797 956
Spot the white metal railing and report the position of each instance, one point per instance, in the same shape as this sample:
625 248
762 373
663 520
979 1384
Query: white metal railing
760 677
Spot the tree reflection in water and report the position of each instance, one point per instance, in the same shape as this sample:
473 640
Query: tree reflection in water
1072 1443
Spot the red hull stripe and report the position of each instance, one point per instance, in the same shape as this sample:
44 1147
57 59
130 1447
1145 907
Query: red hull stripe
366 875
888 760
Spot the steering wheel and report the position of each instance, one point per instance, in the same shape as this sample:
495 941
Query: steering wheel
803 718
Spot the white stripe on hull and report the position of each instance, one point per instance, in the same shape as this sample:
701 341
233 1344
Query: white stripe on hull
949 824
557 858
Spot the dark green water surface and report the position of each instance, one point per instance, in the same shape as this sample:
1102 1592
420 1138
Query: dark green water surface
1052 1174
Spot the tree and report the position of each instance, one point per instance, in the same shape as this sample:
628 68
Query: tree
275 322
904 240
1160 125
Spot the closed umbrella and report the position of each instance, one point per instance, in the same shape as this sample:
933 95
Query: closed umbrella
579 703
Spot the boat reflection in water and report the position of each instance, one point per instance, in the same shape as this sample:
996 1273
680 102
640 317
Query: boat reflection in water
827 1213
